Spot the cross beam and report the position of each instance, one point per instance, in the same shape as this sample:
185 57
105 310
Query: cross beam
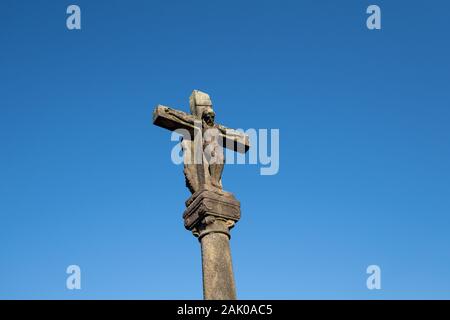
172 120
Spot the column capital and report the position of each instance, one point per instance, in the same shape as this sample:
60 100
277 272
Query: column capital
209 211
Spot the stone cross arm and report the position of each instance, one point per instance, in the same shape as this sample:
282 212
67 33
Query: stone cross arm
172 120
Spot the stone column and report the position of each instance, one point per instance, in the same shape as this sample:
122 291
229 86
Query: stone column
210 216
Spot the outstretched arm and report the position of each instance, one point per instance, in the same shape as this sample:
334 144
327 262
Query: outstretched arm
171 119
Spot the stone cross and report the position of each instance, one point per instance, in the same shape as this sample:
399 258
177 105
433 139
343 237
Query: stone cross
210 212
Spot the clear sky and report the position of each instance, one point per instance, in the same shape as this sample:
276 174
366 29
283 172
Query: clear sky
86 179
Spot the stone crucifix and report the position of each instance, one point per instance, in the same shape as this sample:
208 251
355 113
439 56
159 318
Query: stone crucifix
210 212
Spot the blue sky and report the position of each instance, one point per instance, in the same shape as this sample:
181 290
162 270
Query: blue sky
86 179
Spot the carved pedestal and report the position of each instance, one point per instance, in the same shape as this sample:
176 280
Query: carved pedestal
210 215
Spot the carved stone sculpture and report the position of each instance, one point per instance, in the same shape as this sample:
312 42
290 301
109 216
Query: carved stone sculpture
210 212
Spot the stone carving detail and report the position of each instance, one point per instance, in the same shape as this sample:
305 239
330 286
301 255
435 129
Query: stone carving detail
210 212
203 142
208 206
211 224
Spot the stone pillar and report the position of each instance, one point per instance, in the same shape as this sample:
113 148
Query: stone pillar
210 215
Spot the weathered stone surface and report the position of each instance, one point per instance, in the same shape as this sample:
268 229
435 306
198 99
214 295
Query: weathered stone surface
211 202
211 212
200 168
218 279
199 102
210 215
172 119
